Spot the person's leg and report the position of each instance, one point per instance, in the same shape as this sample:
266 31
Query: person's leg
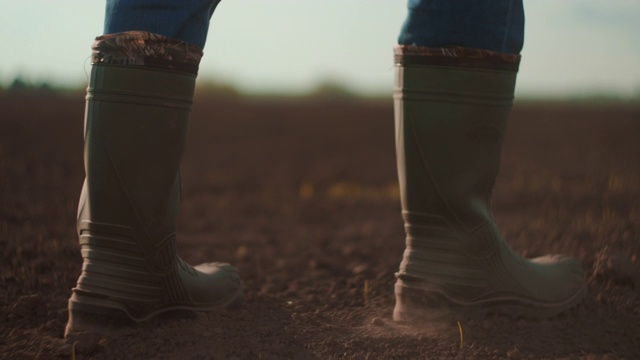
137 114
456 69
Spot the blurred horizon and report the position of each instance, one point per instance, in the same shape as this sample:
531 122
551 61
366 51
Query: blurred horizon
328 91
573 48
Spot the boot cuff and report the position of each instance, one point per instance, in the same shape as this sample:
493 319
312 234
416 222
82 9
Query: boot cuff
455 56
145 49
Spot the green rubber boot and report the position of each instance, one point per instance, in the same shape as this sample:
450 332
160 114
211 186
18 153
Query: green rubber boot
451 109
137 115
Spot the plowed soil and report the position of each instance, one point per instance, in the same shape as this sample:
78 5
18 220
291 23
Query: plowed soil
302 197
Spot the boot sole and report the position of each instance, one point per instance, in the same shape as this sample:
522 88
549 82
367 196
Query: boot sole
435 305
107 317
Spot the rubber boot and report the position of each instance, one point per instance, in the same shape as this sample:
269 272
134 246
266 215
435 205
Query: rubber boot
137 115
451 109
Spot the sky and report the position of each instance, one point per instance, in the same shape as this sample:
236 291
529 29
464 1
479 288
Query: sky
572 47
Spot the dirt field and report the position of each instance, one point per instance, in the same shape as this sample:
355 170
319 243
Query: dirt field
302 198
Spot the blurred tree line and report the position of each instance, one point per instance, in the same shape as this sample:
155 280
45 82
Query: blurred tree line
328 88
20 85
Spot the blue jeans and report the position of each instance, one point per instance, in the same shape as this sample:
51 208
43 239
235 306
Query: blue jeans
496 25
187 20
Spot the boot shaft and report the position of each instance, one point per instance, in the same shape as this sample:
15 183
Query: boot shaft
451 113
135 132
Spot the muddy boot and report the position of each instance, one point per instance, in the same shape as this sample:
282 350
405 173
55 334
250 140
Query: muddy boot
451 109
137 114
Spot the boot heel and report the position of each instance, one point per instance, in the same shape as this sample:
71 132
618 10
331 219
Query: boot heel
96 319
418 305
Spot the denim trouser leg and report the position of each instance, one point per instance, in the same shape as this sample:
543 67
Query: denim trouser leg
187 20
496 25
